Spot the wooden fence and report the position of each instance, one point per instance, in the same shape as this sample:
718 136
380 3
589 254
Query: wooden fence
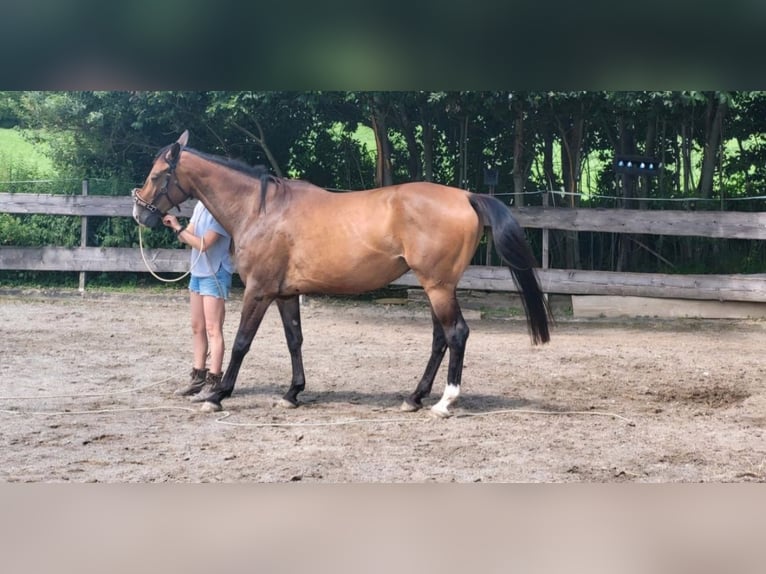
740 225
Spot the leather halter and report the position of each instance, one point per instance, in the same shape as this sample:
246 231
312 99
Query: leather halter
164 190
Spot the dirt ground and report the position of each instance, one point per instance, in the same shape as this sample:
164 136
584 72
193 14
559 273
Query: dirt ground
87 396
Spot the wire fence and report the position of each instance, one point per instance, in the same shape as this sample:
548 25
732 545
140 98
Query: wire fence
98 186
68 186
592 197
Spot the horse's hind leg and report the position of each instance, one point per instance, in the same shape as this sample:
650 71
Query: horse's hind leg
438 348
290 311
446 312
456 333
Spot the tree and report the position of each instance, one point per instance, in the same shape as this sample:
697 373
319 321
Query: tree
710 143
717 103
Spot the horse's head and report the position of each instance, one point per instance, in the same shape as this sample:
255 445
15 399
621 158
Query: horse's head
161 191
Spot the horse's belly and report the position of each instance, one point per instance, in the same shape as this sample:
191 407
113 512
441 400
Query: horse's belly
347 277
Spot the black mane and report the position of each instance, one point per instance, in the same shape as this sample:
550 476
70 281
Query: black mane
259 172
256 171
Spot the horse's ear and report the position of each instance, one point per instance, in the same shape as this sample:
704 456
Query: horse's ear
173 153
175 148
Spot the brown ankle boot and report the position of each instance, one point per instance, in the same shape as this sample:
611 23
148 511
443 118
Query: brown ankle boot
212 384
196 382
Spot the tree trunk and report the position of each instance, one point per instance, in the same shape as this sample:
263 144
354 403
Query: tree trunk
414 165
713 126
548 173
428 151
383 170
747 187
663 148
518 159
644 189
677 152
627 147
463 162
645 181
571 155
572 140
686 157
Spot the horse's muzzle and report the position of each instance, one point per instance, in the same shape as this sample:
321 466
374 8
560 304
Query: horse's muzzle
145 217
145 214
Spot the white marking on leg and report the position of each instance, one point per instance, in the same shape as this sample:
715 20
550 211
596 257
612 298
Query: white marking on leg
208 407
285 404
451 393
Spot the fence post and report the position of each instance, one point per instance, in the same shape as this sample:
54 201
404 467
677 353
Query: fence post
83 234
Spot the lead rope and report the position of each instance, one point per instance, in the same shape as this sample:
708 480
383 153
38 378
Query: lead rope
141 246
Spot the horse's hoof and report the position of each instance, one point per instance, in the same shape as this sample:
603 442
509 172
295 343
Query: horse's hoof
440 412
208 407
408 407
285 404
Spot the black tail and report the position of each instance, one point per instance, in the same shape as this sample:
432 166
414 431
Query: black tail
511 244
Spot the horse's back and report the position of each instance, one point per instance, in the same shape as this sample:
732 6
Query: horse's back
362 240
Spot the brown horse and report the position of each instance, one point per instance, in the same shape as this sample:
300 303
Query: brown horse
292 237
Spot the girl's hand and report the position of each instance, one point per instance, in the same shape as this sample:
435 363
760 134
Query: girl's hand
171 221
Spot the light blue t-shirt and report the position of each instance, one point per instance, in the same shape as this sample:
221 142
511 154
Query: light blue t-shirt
215 256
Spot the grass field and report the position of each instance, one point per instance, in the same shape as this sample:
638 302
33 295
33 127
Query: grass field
21 159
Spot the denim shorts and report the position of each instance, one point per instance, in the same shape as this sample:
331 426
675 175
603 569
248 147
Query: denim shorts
214 286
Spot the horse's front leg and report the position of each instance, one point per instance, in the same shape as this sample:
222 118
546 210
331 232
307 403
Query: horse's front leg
252 314
290 311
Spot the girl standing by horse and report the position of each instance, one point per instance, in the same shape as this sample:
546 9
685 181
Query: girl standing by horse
209 287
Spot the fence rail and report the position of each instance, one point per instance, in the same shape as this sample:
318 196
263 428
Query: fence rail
82 205
723 224
740 225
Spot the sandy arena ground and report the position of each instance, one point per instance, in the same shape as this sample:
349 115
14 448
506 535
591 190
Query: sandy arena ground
87 385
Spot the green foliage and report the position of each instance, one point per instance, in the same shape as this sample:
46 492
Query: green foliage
333 158
9 109
111 138
25 168
14 232
36 279
37 230
22 161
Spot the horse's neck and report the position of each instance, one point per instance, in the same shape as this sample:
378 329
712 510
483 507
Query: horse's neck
227 195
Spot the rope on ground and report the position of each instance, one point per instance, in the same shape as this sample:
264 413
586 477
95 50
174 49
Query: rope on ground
89 395
537 412
226 414
414 419
97 411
